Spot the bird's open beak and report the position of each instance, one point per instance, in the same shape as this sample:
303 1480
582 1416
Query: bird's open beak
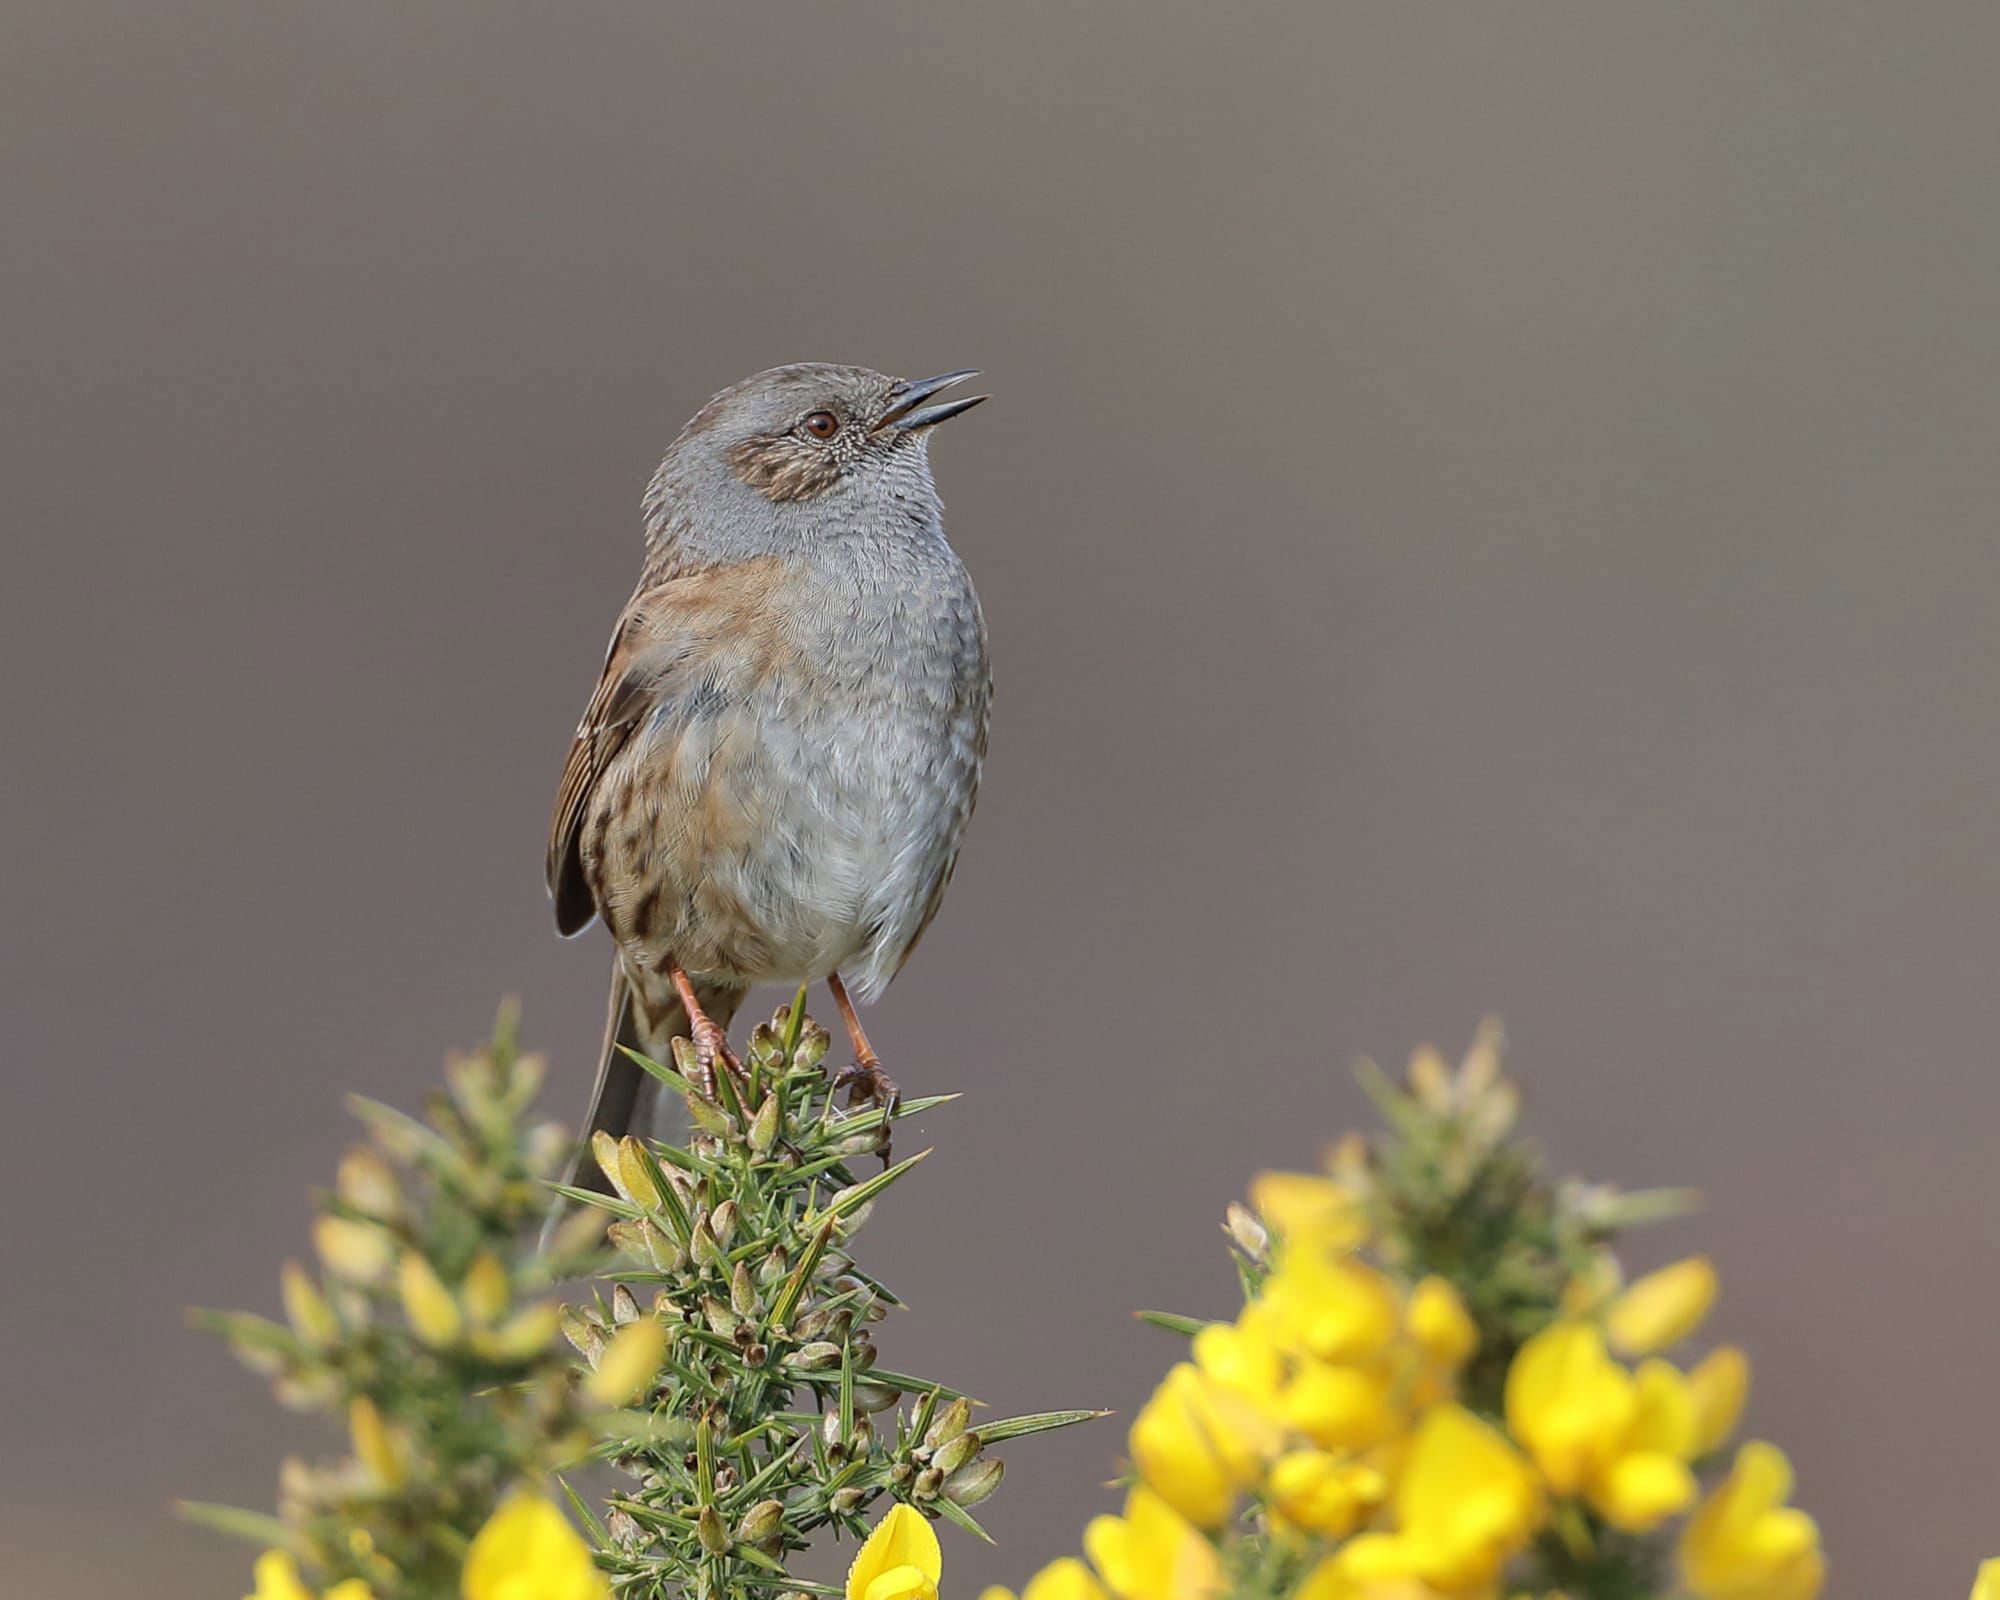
907 409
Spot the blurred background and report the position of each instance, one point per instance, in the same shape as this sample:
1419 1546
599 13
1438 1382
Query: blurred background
1485 508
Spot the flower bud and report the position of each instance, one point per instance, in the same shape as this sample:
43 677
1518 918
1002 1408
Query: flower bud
486 1290
814 1042
310 1315
928 1483
357 1251
845 1499
949 1423
872 1397
624 1306
375 1447
722 1222
761 1521
638 1185
817 1356
433 1313
974 1482
604 1151
954 1453
523 1336
625 1533
367 1183
742 1291
704 1247
585 1336
764 1127
1245 1231
709 1529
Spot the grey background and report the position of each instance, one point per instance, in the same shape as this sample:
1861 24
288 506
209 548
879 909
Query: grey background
1485 507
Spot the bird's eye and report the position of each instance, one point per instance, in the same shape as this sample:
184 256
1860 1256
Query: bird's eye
822 424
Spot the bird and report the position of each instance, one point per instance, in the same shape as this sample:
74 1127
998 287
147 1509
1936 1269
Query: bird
772 780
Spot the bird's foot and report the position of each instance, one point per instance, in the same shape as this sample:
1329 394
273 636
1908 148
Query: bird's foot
867 1084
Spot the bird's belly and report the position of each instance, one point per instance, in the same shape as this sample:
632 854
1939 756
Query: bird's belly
779 849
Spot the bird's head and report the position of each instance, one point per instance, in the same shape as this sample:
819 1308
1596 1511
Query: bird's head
808 443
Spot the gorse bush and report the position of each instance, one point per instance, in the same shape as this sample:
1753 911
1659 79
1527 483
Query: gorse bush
759 1412
727 1369
1439 1386
1439 1389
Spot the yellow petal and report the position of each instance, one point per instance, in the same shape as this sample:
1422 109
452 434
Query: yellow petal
1745 1543
629 1364
1986 1586
1569 1402
1322 1492
278 1578
1720 1387
1063 1579
1438 1321
1243 1357
1339 1308
1642 1489
1663 1307
528 1551
899 1560
1308 1208
1341 1408
427 1302
1466 1500
1152 1552
1664 1418
1179 1455
350 1589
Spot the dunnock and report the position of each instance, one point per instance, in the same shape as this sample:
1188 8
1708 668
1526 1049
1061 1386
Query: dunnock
772 779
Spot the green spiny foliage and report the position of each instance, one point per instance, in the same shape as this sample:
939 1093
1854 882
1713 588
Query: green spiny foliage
425 1334
770 1417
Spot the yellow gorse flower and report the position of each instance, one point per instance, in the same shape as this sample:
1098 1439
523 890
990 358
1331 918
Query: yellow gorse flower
1986 1586
1198 1443
899 1560
1151 1552
278 1578
1621 1440
1745 1543
1308 1209
1318 1491
1464 1503
529 1551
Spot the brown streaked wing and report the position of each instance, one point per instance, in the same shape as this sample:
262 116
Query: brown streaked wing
614 710
681 626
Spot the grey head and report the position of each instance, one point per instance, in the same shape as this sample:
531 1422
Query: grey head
801 453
